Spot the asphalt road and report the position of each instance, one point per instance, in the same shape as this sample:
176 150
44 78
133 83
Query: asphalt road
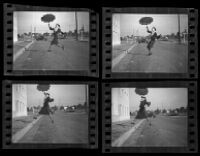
74 57
160 132
68 127
167 57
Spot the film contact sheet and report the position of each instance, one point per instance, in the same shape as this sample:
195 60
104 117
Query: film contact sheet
106 79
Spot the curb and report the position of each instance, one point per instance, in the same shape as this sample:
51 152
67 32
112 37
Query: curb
21 51
118 142
118 58
17 136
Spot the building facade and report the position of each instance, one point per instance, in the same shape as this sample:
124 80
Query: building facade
116 30
120 104
19 100
15 37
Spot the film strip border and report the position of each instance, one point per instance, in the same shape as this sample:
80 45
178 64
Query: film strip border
93 116
94 43
192 43
8 42
192 118
7 118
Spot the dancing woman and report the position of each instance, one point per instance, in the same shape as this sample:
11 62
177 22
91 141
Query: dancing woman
56 32
152 41
46 110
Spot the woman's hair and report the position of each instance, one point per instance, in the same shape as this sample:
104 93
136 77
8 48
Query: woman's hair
154 28
46 93
58 25
143 97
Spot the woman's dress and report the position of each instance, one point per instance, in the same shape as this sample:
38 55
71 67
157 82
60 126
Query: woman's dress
152 40
55 35
46 110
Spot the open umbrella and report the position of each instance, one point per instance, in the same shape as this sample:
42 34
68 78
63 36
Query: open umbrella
146 20
141 91
43 87
48 18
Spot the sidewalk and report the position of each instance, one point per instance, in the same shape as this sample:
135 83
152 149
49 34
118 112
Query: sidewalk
20 47
118 49
21 125
122 130
118 52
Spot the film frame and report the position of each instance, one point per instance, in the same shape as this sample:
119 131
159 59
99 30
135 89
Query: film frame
7 117
192 69
192 117
8 42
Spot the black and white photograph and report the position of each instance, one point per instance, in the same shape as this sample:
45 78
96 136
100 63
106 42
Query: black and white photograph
50 113
56 41
149 117
149 43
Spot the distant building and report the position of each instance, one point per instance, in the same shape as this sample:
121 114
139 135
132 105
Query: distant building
19 100
116 30
120 104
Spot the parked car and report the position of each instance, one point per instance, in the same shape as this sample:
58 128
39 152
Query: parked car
69 108
164 38
40 38
142 40
151 114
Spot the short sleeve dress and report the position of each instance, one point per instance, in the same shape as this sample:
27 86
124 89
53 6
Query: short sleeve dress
45 110
55 35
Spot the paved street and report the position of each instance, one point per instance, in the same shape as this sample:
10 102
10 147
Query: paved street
167 57
161 131
71 127
36 57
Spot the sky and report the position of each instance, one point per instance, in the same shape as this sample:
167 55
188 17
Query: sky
164 23
162 98
27 20
65 95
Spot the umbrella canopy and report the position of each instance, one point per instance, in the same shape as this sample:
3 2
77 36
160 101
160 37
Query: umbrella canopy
48 18
146 20
141 91
43 87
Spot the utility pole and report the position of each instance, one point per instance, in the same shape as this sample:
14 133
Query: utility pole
179 36
76 22
86 97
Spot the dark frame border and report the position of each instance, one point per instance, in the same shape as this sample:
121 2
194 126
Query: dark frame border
93 61
192 118
192 71
7 117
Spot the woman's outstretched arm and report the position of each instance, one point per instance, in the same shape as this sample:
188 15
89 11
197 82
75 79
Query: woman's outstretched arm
158 36
148 30
60 31
50 28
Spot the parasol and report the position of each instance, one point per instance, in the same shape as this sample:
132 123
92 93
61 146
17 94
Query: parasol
146 20
48 18
141 91
43 87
